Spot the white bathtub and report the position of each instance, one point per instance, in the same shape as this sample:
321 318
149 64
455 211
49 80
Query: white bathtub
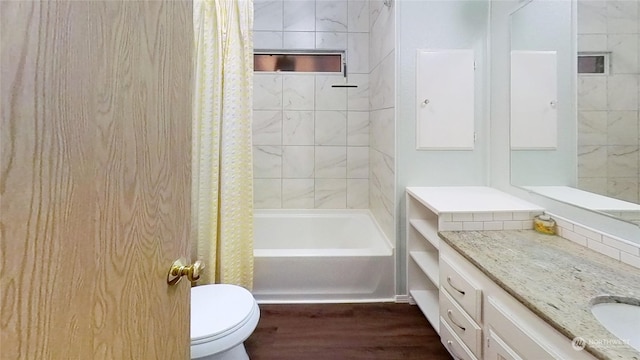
321 256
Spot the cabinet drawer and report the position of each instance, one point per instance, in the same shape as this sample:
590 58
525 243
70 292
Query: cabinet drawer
513 333
461 323
464 291
497 349
454 345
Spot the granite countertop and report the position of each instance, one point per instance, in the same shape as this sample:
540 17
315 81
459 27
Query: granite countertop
554 278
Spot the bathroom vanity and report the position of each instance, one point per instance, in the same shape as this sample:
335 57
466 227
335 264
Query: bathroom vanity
496 293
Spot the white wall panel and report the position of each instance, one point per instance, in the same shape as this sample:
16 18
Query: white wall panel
445 99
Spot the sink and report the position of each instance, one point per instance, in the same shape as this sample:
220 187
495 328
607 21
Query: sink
621 316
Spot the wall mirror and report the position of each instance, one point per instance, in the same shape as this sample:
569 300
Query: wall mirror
582 139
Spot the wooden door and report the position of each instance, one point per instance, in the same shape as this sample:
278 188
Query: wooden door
94 178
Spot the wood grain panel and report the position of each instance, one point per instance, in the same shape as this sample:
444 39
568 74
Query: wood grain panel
143 177
94 178
46 221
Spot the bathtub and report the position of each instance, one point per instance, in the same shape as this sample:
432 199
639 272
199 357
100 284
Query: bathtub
321 256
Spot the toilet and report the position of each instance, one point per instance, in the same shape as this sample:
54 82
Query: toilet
222 318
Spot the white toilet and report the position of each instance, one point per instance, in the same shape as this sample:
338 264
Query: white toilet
222 318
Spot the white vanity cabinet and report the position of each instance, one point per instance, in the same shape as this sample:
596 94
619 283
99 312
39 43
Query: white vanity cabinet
509 329
433 209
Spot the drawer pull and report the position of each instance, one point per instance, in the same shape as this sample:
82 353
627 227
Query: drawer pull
449 314
455 356
453 286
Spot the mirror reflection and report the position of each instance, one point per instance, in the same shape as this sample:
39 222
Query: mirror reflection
594 162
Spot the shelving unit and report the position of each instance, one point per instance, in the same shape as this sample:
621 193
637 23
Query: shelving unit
422 259
428 208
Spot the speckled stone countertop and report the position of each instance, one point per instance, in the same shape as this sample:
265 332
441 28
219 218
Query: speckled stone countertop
554 278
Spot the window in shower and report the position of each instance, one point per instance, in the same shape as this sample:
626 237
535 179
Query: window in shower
312 61
593 63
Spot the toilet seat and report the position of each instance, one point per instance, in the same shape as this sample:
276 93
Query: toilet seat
222 316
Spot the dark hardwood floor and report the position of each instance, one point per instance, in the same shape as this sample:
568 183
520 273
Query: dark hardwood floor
344 331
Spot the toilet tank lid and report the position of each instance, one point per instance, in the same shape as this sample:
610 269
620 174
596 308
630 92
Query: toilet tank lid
218 308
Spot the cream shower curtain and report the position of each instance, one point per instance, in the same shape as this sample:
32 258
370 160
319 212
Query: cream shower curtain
222 198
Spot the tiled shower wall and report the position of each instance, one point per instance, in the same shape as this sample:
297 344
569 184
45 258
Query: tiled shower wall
608 107
321 147
311 141
383 132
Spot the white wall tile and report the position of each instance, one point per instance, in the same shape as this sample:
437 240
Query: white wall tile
622 92
462 216
603 249
298 128
357 162
625 246
331 40
592 17
451 226
622 128
622 16
622 161
268 15
299 40
506 215
331 15
298 92
331 128
592 160
358 128
298 162
592 93
624 53
576 238
298 193
512 225
382 84
267 92
268 40
595 42
588 233
482 216
493 225
592 127
327 97
267 127
358 98
358 15
472 225
267 193
300 15
630 259
358 53
331 162
382 130
330 193
357 193
267 162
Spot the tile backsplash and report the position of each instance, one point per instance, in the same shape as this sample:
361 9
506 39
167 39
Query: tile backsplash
595 240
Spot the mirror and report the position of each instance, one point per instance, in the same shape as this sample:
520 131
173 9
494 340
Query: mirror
582 142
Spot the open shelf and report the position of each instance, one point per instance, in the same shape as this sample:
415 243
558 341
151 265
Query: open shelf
427 229
427 301
428 263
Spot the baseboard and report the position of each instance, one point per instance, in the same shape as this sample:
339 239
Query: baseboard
402 299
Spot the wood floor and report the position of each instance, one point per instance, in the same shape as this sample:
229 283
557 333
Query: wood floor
344 331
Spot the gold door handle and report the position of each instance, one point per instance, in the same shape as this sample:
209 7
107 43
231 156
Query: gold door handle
179 269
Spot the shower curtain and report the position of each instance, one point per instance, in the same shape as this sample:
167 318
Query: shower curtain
222 195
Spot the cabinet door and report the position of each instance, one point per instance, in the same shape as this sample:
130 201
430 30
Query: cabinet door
497 349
